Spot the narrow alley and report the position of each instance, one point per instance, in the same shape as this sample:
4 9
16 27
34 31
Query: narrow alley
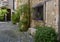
10 33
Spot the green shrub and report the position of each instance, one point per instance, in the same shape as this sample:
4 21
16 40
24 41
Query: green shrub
18 13
45 34
16 17
13 18
24 22
1 18
2 13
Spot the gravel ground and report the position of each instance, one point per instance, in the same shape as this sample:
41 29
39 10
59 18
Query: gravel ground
10 33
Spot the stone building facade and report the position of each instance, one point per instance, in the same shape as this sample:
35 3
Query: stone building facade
10 7
50 13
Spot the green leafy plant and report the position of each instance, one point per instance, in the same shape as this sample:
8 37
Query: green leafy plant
2 13
13 18
1 18
45 34
24 22
16 16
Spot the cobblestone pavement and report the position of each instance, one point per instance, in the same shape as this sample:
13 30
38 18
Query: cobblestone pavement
10 33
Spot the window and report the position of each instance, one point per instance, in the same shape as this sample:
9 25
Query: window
38 13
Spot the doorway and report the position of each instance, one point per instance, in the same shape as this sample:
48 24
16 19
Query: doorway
9 15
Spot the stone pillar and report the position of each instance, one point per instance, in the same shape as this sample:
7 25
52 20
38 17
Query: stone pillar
52 14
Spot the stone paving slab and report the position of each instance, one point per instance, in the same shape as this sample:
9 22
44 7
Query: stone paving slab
10 33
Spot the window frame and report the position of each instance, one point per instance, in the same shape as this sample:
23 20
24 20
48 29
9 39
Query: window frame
42 18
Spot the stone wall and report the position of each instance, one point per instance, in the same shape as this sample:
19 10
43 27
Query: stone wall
10 4
35 2
20 2
52 13
16 3
35 23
